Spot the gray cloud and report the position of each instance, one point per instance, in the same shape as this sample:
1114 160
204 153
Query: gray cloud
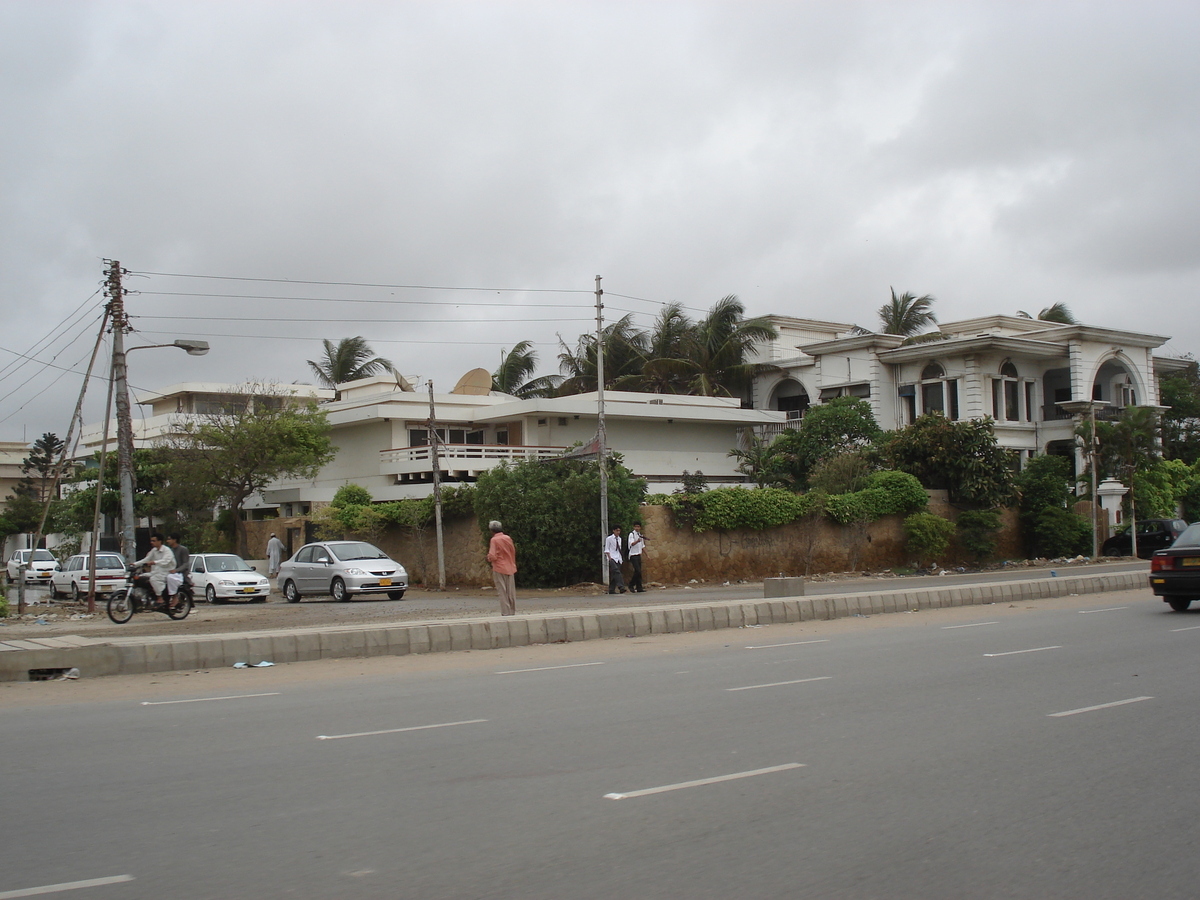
999 155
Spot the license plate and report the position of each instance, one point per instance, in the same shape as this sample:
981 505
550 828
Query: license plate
43 574
1190 561
105 587
385 582
248 590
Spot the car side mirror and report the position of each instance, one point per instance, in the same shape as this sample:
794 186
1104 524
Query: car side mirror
324 559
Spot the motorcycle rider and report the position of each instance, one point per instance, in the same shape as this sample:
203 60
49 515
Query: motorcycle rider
183 559
161 560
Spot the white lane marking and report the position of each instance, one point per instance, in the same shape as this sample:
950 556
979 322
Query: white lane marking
702 781
972 625
206 699
790 644
548 668
751 687
1031 650
1075 712
1189 628
338 737
1084 612
64 886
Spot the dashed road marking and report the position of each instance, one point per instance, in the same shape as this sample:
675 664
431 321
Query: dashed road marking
1075 712
751 687
702 781
338 737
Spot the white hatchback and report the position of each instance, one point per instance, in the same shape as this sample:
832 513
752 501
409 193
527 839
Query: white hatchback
224 576
44 565
72 579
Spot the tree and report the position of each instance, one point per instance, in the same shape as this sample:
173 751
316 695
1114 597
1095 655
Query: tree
1044 489
233 455
928 536
709 359
348 360
907 314
756 461
1126 448
1059 312
625 348
838 426
515 374
962 458
551 509
39 466
1181 422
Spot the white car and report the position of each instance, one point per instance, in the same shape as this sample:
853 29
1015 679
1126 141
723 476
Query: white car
44 565
72 579
224 576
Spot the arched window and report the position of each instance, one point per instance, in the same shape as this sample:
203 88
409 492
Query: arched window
1008 392
936 392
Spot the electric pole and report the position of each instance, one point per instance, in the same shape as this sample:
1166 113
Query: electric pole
120 327
601 436
437 490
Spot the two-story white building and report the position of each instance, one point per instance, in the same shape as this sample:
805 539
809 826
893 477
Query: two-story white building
1018 371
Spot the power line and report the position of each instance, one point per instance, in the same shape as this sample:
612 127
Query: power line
210 318
374 340
346 300
414 287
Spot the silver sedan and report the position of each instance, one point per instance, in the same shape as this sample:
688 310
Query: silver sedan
341 569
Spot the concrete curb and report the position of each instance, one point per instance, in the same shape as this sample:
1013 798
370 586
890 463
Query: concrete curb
20 659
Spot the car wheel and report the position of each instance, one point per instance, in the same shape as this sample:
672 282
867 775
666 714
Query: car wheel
79 595
53 591
395 595
338 591
210 594
290 593
1179 604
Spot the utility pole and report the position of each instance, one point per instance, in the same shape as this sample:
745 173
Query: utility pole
437 490
601 436
120 327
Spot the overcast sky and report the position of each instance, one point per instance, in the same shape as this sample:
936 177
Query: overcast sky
806 156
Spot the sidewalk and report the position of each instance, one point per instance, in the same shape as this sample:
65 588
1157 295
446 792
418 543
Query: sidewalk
32 659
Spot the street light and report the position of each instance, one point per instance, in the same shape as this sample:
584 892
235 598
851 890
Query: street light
125 429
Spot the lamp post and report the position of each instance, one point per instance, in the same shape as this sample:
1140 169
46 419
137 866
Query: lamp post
125 426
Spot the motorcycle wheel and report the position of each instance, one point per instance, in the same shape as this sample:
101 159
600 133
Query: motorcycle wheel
120 607
182 607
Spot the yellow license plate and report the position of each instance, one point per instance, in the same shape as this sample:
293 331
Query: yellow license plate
1190 561
385 582
249 590
105 587
43 574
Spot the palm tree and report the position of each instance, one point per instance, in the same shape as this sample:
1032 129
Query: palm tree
514 375
1129 446
716 349
1059 312
348 360
907 314
625 349
668 340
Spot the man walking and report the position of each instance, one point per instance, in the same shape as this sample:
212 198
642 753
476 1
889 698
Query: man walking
275 551
502 554
612 552
637 544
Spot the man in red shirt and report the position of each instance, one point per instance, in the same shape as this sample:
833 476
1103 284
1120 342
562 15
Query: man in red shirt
502 554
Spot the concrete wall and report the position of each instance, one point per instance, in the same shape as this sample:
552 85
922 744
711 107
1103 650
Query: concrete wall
676 554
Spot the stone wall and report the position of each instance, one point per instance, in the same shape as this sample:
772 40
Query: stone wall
676 554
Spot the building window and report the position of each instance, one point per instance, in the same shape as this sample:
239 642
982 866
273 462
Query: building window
1012 396
936 391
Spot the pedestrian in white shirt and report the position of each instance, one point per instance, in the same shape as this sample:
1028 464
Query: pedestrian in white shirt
612 552
637 544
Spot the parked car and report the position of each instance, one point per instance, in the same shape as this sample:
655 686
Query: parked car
44 565
224 576
1152 535
72 579
341 569
1175 572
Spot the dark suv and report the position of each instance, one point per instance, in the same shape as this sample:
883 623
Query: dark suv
1152 535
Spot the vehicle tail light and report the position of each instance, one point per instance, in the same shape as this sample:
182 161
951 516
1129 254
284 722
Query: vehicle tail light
1159 563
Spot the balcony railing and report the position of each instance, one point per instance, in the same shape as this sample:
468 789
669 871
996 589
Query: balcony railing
459 457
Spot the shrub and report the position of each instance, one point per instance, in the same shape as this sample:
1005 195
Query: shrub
928 535
351 495
977 531
1059 532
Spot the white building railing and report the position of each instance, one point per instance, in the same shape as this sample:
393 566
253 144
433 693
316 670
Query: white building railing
459 457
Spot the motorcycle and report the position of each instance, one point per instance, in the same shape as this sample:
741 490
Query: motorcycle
140 596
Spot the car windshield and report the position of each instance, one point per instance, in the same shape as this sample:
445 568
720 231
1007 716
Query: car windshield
1189 538
227 564
43 556
108 562
357 550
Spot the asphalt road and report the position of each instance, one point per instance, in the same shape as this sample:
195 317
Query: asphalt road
1007 751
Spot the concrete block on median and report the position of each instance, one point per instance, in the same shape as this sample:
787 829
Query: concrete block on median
574 627
439 638
308 645
783 587
334 645
420 640
536 631
674 620
641 621
556 630
398 641
591 626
